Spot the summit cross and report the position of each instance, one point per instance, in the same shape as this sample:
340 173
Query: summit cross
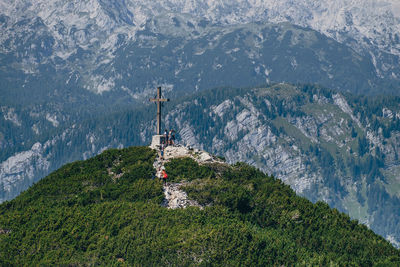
159 101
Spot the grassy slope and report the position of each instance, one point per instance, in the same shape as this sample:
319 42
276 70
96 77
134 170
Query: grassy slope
81 215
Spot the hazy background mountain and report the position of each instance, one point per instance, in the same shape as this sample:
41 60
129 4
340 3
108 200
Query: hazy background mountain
80 44
371 27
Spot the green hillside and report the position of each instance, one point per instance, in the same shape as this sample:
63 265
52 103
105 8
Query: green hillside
107 210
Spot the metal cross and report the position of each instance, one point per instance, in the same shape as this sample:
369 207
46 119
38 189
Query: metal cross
159 101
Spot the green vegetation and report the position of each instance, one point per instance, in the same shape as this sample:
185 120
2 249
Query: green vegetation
107 210
186 169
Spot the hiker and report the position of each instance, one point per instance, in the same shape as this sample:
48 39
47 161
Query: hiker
172 137
162 150
164 176
166 137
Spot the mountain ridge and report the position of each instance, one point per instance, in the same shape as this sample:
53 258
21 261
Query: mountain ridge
81 214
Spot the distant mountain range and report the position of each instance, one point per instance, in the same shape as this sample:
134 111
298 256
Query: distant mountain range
371 27
88 45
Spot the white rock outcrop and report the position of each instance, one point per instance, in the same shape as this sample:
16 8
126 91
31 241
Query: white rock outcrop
174 196
177 198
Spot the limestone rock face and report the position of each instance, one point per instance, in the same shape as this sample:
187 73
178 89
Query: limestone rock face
180 151
177 198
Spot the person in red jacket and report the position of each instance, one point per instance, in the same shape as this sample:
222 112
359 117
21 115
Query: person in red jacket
164 176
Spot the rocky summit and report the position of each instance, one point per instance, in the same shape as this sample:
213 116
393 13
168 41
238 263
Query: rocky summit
174 196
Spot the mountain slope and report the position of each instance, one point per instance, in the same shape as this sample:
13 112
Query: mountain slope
371 26
342 150
80 214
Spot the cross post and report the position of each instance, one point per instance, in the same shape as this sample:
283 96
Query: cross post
159 101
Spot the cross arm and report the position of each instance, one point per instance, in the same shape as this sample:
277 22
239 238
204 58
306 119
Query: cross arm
159 99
